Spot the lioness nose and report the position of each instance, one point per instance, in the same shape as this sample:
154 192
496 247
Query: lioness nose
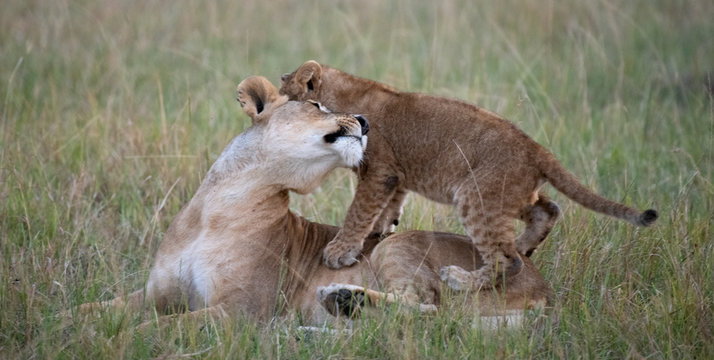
363 123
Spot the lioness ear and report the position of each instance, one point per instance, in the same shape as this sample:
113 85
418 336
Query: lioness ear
310 75
255 94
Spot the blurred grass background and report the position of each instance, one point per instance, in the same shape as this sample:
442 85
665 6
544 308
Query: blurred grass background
113 111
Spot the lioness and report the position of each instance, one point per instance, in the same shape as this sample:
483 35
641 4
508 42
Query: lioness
451 152
237 248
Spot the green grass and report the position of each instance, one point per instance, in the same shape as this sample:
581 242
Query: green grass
112 112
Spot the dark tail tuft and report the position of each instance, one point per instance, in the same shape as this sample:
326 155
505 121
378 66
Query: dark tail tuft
648 217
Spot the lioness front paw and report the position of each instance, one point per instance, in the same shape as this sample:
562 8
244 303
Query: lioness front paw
342 299
337 254
456 277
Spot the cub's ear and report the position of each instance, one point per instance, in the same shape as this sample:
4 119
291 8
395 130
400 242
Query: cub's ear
309 75
255 94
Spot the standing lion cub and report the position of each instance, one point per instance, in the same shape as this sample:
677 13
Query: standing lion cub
451 152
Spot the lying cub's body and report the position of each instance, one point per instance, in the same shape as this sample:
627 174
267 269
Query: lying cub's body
451 152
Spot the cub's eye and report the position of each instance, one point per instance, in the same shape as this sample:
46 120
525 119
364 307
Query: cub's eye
319 106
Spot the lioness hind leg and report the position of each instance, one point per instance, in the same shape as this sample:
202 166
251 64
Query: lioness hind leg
539 218
133 303
210 314
349 300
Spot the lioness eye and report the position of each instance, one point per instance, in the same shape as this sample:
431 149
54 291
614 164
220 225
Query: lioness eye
316 104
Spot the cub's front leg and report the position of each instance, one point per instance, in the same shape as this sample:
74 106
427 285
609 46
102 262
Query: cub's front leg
375 190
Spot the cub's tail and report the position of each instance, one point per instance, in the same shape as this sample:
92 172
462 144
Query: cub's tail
567 184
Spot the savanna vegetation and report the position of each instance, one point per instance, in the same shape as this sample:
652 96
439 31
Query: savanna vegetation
113 111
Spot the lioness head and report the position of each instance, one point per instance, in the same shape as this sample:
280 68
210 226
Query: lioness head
302 139
304 83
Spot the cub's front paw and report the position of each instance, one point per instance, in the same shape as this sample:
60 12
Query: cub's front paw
337 254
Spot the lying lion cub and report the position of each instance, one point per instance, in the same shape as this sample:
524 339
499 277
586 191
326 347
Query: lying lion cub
237 248
451 152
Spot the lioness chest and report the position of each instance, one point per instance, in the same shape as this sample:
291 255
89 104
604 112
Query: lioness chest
209 271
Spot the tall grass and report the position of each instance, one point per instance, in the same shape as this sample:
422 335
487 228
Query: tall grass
112 112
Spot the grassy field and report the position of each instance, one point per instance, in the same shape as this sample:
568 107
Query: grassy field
113 111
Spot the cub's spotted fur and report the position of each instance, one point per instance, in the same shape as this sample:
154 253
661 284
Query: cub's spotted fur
451 152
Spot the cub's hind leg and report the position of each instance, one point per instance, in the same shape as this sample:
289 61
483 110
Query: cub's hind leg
491 230
390 215
539 218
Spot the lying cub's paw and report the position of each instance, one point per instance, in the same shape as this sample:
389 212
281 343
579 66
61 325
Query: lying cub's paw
338 254
456 277
341 299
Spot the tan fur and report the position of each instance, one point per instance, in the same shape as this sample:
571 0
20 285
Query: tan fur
408 265
237 248
451 152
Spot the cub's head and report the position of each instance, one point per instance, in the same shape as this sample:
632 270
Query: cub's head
299 141
304 83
